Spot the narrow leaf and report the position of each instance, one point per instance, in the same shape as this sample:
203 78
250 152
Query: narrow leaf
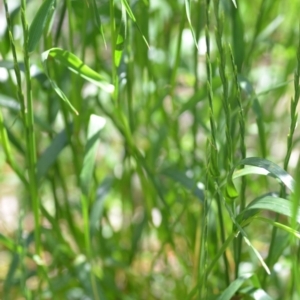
256 294
275 204
188 15
50 155
98 205
97 19
120 43
183 179
270 168
233 287
96 123
131 15
39 23
76 65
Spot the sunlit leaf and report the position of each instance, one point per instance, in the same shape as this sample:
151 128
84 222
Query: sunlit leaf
96 123
76 65
188 15
120 43
269 168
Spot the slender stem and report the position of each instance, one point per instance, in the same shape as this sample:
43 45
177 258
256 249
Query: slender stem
113 46
30 136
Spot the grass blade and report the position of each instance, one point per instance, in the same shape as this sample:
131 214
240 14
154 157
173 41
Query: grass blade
95 125
76 65
275 204
49 156
271 168
188 15
131 15
40 22
233 287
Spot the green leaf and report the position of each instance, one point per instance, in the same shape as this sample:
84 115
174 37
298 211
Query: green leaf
8 102
182 178
275 204
76 65
131 15
96 123
288 229
120 43
96 13
269 168
256 294
39 23
233 287
98 205
49 156
188 15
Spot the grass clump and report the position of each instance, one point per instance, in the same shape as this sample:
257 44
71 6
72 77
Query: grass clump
149 150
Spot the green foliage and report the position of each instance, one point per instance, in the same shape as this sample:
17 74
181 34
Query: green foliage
138 175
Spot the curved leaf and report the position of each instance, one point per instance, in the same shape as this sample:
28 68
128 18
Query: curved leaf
275 204
76 65
269 168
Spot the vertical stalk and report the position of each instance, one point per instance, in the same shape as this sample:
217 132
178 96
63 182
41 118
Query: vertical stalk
113 46
28 120
214 153
243 155
87 242
290 138
30 137
196 82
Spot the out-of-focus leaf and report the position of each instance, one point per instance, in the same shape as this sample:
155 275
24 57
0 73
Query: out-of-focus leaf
98 19
76 65
131 15
256 294
40 22
50 155
8 102
188 16
234 3
238 41
97 208
9 280
233 287
120 43
182 178
96 123
35 72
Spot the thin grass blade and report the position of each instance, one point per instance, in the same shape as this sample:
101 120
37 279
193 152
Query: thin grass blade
96 123
234 287
76 65
131 15
40 22
49 156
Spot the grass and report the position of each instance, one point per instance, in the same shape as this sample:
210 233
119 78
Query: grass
150 150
